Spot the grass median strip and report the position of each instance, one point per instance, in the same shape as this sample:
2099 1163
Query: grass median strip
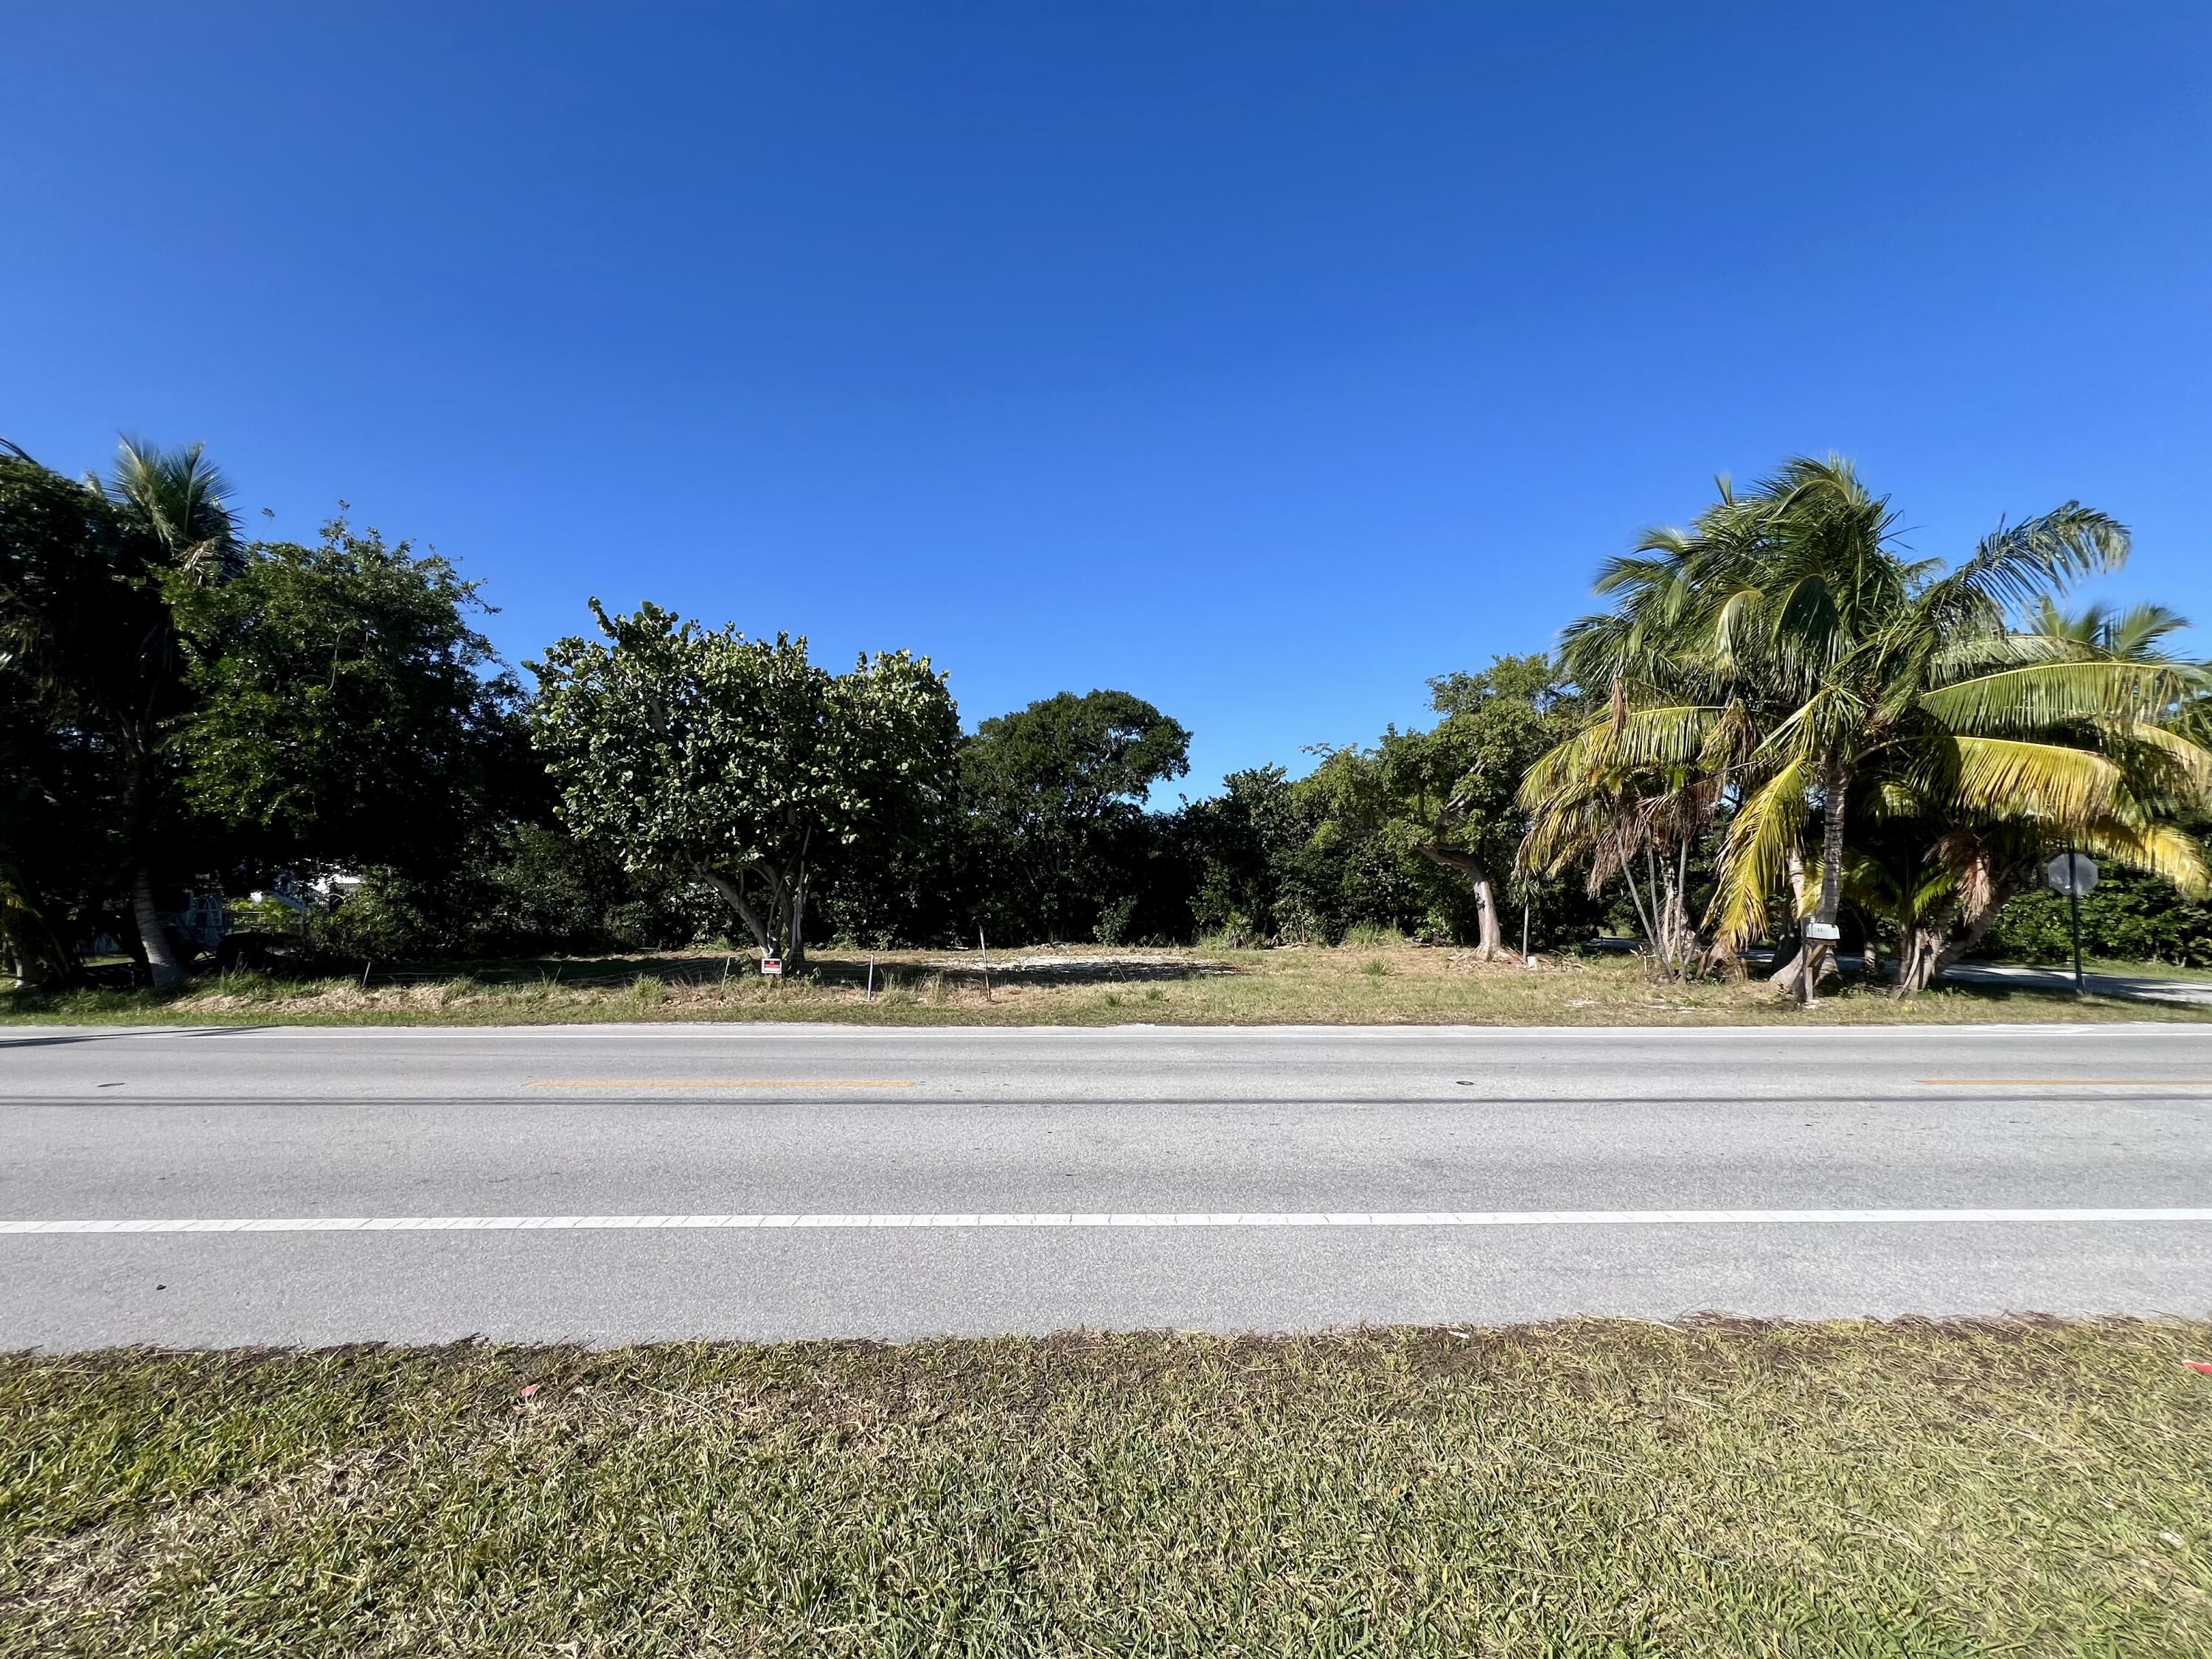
1720 1488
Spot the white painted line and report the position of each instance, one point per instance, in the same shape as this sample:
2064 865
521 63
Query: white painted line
961 1221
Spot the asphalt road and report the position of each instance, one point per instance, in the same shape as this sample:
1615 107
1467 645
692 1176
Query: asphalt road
606 1184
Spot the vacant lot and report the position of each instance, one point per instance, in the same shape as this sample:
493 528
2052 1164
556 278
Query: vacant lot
1596 1488
1384 983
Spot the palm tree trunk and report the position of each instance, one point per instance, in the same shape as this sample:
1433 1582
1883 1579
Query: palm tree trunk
1801 975
1918 952
1938 946
1789 962
1642 916
161 961
1835 780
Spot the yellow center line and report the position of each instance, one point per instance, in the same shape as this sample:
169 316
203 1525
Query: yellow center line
2079 1082
723 1083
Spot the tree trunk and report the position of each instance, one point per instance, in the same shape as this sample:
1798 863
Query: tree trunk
30 951
734 897
1678 939
1493 944
1790 950
1916 956
162 965
1935 947
1815 961
795 958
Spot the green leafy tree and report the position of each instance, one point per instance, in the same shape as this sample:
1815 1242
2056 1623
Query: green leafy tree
61 558
736 763
89 575
341 708
1056 792
1257 876
1433 817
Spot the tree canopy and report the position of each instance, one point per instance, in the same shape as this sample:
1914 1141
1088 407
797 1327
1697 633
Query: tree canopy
1781 727
341 708
1057 791
736 762
1863 720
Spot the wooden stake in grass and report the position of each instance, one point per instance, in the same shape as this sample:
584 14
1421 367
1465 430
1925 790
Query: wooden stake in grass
985 948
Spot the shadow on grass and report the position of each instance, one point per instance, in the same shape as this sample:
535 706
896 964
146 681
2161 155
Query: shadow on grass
839 970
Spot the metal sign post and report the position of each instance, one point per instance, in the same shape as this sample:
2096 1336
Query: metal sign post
2073 874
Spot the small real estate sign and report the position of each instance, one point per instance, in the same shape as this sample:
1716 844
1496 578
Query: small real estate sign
771 966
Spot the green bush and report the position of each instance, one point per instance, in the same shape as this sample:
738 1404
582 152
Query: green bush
2134 918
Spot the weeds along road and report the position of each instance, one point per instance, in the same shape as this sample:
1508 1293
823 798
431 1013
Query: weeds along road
316 1185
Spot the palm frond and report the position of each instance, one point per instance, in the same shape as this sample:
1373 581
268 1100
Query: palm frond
2182 766
2018 563
2165 850
2010 778
181 497
2137 633
1608 748
2037 697
1771 823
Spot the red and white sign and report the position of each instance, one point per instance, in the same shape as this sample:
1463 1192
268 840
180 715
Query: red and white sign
771 966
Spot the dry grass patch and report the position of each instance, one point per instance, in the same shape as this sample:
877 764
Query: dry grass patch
1366 984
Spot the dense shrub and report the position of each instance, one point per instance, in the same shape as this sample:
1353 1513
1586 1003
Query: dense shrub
2133 917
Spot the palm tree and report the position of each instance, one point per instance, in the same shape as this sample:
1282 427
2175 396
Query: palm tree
175 500
1857 637
1998 749
1767 607
1784 648
1645 782
2135 635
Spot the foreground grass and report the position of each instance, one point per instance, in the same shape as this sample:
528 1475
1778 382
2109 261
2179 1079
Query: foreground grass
1387 983
1584 1488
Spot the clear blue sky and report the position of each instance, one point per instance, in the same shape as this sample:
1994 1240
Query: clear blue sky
1262 359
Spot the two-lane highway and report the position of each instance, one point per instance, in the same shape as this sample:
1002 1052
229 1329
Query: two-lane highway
617 1182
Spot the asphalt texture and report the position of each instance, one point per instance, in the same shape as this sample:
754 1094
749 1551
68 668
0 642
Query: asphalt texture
621 1125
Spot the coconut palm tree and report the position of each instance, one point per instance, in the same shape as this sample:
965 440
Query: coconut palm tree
2135 635
175 500
1995 751
180 499
1783 647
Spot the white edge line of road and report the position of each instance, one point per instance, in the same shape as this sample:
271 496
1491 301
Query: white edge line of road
955 1221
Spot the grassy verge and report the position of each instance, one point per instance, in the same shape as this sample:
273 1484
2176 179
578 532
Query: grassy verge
1385 983
1586 1488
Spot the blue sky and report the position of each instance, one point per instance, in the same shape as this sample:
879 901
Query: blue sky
1261 360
